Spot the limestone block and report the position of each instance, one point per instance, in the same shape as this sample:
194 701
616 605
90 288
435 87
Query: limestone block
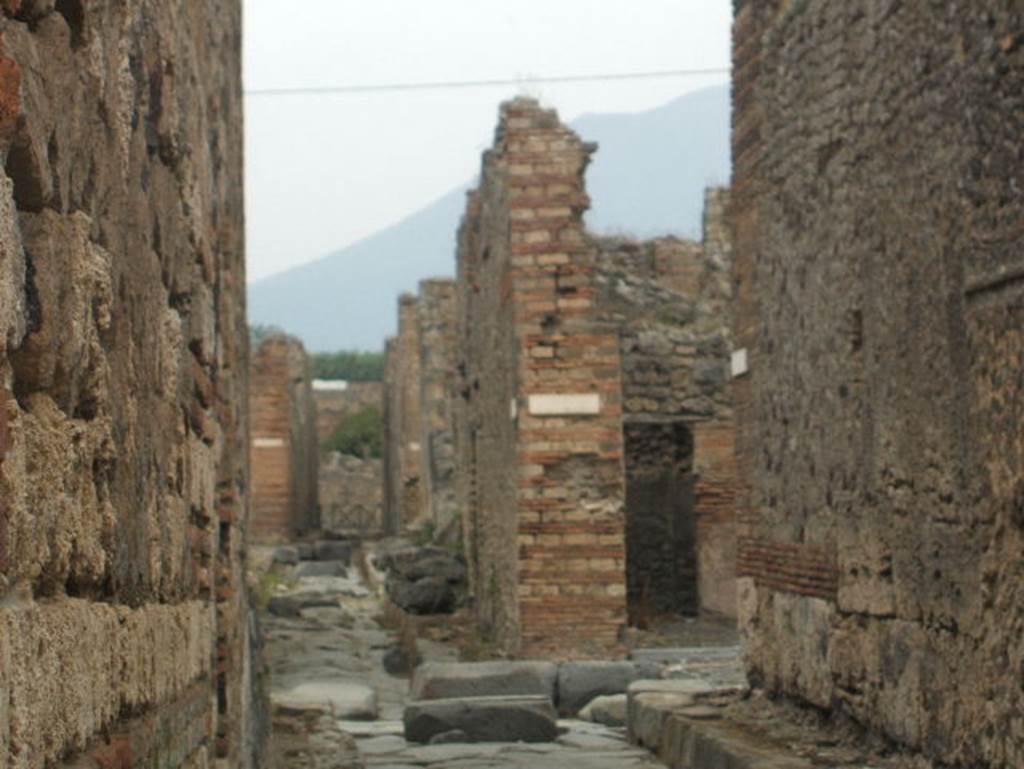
445 680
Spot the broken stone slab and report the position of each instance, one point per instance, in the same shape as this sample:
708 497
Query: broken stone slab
321 569
333 550
344 699
447 680
609 710
483 719
581 682
646 713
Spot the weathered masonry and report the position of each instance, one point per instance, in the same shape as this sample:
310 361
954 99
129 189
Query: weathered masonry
284 450
579 372
124 619
351 487
877 213
419 462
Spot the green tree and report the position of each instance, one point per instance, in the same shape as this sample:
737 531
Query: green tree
350 365
359 435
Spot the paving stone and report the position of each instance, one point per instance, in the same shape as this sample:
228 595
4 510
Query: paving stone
581 682
446 680
305 551
383 744
483 719
346 699
333 568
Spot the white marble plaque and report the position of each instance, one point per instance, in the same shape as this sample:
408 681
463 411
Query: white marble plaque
268 443
739 362
581 404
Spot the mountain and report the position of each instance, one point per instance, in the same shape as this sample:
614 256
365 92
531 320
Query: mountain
647 179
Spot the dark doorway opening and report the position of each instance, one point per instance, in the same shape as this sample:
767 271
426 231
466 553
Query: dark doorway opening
661 558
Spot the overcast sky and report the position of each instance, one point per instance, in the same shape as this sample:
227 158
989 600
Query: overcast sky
323 171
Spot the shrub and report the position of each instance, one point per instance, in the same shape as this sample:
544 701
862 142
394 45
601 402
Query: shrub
360 435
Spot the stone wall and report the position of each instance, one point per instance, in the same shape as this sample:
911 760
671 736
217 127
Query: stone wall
284 447
876 210
540 404
351 488
124 620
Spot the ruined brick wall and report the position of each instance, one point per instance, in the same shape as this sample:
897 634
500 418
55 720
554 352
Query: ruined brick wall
877 216
540 413
124 621
284 447
670 300
407 498
390 440
436 309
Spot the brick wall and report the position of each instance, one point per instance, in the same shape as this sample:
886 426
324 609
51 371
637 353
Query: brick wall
876 216
539 398
125 635
284 447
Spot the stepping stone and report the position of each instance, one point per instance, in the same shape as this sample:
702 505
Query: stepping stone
447 680
483 719
344 699
609 710
581 682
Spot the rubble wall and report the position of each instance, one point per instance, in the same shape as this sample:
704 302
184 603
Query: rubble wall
125 634
285 451
876 213
540 422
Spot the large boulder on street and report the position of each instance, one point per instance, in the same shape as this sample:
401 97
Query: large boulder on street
483 719
449 680
581 682
333 550
430 595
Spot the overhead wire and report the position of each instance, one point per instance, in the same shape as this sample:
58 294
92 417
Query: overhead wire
459 84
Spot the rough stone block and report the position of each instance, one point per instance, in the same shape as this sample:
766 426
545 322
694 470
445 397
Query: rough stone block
345 699
581 682
483 719
321 569
446 680
333 550
609 710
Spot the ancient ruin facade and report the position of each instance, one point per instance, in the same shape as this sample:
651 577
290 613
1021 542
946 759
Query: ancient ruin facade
351 487
593 425
284 447
419 439
124 616
670 300
879 334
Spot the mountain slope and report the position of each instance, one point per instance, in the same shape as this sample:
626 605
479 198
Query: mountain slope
647 179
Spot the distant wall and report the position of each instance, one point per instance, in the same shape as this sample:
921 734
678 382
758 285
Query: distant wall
125 635
334 406
877 216
284 447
